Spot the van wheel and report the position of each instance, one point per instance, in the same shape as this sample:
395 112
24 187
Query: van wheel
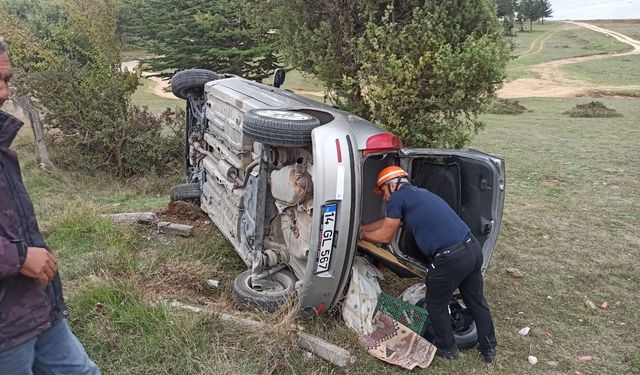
279 127
277 289
186 192
191 80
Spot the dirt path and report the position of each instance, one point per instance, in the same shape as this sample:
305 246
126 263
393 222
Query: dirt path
537 45
158 87
554 83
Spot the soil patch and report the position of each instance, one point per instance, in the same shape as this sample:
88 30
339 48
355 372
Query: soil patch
185 213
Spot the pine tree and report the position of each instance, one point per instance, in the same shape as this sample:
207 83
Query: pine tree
216 35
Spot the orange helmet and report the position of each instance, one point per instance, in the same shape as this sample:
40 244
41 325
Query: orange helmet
387 174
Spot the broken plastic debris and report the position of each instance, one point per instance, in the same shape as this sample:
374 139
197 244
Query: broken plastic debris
590 305
213 283
604 305
532 359
524 331
585 358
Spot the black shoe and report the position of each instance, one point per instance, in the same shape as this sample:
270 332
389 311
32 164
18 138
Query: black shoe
452 354
489 355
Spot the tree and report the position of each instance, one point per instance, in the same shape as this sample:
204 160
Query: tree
506 10
545 9
530 11
428 79
424 70
67 58
216 35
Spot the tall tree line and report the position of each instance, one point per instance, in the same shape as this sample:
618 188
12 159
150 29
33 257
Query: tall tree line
520 11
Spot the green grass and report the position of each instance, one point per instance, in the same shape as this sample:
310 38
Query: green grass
570 224
144 96
561 41
571 212
630 28
135 54
296 80
621 70
523 41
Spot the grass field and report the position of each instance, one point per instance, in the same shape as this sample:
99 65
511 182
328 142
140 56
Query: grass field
621 70
555 40
630 28
156 104
570 223
571 220
296 80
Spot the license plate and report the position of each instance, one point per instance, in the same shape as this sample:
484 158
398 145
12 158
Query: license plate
327 232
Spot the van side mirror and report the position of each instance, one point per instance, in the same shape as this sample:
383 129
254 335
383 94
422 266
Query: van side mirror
278 77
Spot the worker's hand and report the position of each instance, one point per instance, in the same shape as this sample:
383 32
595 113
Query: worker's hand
40 264
360 233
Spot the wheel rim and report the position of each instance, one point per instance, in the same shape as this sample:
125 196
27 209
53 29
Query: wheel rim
284 115
269 285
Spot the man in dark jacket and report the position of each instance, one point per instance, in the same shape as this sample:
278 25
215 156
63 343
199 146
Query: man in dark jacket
34 335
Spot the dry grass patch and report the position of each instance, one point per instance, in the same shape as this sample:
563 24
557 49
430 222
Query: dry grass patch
506 107
592 110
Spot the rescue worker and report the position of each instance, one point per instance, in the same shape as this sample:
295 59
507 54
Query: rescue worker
34 335
450 250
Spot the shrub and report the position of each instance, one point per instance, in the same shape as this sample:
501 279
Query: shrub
592 109
144 144
66 56
506 107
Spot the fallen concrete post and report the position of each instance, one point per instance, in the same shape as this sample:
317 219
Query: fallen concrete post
313 344
136 217
175 229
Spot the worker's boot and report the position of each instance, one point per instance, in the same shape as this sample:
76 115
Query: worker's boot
489 355
452 353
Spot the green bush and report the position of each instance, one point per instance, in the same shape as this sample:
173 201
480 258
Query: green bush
592 110
146 144
66 56
423 70
506 107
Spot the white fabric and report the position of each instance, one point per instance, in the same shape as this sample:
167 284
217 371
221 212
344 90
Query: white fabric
414 293
362 296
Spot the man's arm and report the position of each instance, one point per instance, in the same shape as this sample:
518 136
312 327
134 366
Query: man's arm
384 233
9 259
372 226
37 263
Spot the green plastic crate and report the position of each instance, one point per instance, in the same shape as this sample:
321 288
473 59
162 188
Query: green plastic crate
414 317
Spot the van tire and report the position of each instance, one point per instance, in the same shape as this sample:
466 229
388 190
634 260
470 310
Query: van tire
191 81
246 297
281 128
186 192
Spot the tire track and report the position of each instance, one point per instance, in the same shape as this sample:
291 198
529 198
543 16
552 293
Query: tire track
554 83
